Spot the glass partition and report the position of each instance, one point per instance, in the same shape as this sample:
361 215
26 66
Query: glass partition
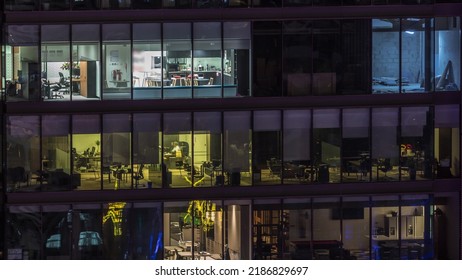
55 173
116 61
22 63
86 152
179 167
237 148
116 153
22 152
86 59
148 62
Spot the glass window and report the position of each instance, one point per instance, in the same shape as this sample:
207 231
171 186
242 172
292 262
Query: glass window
20 5
236 59
55 172
326 145
146 4
146 231
207 148
22 63
116 230
385 55
149 73
209 223
327 2
206 75
86 152
85 4
22 152
267 58
55 5
356 164
416 147
122 4
417 53
24 233
117 65
179 4
385 227
298 55
385 150
177 47
327 56
178 162
447 141
327 243
416 240
267 163
116 154
147 156
86 72
237 217
207 3
237 3
297 3
266 3
179 220
56 229
237 149
267 231
296 218
447 54
87 232
355 228
296 146
56 63
445 211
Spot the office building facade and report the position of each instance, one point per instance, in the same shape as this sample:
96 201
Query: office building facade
231 129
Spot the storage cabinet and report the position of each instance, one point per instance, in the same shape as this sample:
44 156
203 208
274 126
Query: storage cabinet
88 79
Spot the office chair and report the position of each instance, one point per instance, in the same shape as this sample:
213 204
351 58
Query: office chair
385 166
139 175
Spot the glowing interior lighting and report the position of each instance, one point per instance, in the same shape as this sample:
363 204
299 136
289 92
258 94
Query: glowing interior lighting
410 32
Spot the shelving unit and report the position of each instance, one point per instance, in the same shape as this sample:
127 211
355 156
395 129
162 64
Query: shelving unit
270 230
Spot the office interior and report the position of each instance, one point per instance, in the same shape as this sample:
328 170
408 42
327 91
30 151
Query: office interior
390 227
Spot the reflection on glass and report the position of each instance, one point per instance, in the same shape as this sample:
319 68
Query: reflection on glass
22 151
86 151
57 229
447 54
24 234
355 227
55 172
297 224
116 225
146 231
87 232
180 241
